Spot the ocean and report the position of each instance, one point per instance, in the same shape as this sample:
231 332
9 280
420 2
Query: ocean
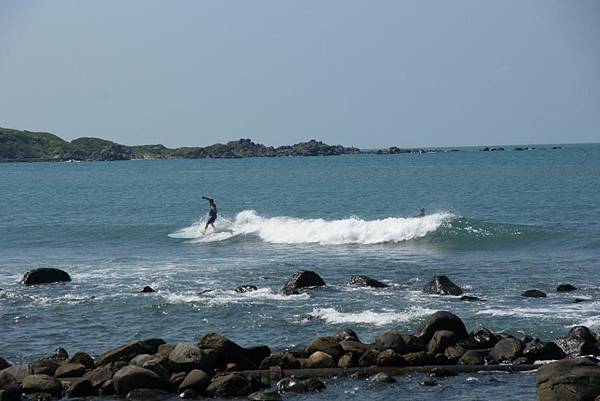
497 224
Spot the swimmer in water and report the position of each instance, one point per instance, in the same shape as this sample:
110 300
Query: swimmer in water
421 212
212 214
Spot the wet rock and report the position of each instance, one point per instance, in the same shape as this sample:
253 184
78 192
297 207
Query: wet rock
61 353
454 352
539 351
188 356
347 335
188 394
147 394
4 364
300 280
441 320
469 298
440 341
579 300
534 294
45 276
320 359
369 358
329 345
10 386
257 353
177 378
569 380
442 372
230 385
70 370
42 384
428 382
294 385
147 289
472 358
124 353
355 347
100 375
442 285
482 338
348 360
265 395
84 359
522 360
80 388
390 358
285 361
506 350
107 388
390 340
414 343
312 385
133 377
583 333
565 288
382 377
574 347
420 358
196 380
365 281
245 288
227 351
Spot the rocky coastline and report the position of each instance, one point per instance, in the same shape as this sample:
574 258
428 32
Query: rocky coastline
214 365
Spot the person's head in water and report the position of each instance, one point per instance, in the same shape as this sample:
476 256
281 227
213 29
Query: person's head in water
421 212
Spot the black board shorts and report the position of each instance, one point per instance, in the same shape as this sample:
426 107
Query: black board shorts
211 219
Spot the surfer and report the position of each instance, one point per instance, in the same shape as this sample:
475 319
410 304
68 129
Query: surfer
421 212
212 214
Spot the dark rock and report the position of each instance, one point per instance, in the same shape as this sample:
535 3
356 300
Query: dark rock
177 378
153 344
506 350
133 377
42 384
329 345
442 285
319 359
414 343
45 276
19 372
285 361
382 377
147 289
365 281
230 385
195 380
428 382
390 358
147 394
188 394
472 358
454 352
293 385
4 364
420 358
440 341
40 397
347 335
441 321
159 365
442 372
188 356
574 347
227 351
61 353
538 351
348 360
46 366
100 375
522 360
390 340
10 386
534 294
369 358
107 388
124 353
312 385
302 279
265 395
355 347
565 288
440 359
579 300
482 338
257 353
582 333
245 288
469 298
80 388
569 380
70 370
84 359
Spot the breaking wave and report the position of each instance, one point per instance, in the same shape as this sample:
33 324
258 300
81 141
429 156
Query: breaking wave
333 316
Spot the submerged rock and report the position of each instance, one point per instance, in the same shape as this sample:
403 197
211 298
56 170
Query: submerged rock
245 288
302 279
469 298
365 281
45 276
442 285
147 289
565 288
265 395
382 377
534 294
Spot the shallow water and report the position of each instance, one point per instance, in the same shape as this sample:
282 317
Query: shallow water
498 223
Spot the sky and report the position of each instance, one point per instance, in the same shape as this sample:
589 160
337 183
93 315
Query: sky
362 73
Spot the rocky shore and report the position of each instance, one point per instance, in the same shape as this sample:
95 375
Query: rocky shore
214 365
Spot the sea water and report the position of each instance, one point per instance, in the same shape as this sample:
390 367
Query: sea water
497 224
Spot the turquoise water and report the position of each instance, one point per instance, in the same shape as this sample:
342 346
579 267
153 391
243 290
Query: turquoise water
498 223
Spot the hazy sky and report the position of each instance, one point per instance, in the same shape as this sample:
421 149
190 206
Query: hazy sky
366 73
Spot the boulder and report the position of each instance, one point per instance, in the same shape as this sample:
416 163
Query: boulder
583 333
365 281
347 335
369 358
19 372
177 378
265 395
390 340
159 365
441 320
257 353
196 380
124 353
569 380
442 285
348 360
319 359
454 352
440 341
45 276
100 375
420 358
107 388
329 345
70 370
46 366
285 361
355 347
230 386
472 358
147 289
302 279
390 358
84 359
147 394
574 347
10 386
42 384
565 288
382 377
245 288
482 338
506 350
188 356
534 294
4 364
165 349
133 377
414 343
153 343
539 351
227 351
293 385
140 359
80 388
61 353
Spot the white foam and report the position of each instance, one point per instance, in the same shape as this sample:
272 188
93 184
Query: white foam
332 316
222 297
291 230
